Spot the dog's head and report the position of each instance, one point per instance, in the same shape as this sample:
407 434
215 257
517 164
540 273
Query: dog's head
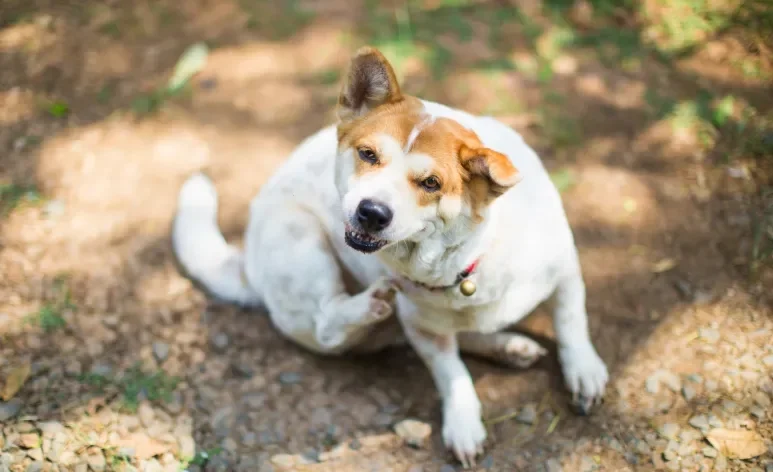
402 174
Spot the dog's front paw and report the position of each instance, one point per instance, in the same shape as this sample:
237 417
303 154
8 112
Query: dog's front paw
585 375
382 300
463 432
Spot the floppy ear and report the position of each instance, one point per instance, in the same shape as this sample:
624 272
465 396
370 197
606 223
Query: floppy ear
491 173
370 82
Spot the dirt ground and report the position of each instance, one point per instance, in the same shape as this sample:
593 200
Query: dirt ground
111 360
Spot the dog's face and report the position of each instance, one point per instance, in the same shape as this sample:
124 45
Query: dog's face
403 175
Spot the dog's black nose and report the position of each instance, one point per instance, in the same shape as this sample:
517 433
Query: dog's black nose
373 216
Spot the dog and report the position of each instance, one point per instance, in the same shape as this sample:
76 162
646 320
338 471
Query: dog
447 223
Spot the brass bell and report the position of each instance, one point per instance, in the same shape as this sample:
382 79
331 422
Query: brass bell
467 287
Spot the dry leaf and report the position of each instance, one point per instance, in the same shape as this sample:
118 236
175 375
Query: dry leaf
663 265
15 381
737 443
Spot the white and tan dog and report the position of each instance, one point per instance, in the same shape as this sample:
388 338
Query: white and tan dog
418 203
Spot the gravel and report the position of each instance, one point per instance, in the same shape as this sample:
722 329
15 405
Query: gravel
709 335
688 392
709 452
289 378
669 430
414 433
700 422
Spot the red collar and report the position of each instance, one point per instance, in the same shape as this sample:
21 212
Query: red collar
459 278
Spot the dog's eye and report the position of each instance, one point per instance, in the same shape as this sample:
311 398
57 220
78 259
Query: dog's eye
431 184
367 155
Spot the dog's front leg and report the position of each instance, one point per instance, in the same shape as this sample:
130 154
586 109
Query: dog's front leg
463 430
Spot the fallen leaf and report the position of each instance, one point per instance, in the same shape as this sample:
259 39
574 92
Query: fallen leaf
737 443
191 62
15 381
663 265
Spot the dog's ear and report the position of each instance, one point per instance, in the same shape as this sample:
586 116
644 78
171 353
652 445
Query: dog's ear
490 173
370 82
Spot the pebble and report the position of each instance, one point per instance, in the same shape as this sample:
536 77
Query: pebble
219 341
715 422
553 465
688 392
762 399
709 334
9 409
35 454
187 446
709 452
670 455
146 414
160 351
671 380
36 466
96 461
643 448
242 369
669 430
414 433
101 368
768 361
249 439
711 385
448 468
758 412
730 406
720 464
29 440
699 422
254 400
289 378
51 428
652 384
528 414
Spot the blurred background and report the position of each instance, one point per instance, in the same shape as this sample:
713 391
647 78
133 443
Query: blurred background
655 119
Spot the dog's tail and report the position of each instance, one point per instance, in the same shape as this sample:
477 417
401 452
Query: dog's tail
201 248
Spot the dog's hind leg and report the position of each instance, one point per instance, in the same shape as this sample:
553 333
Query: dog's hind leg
510 349
290 259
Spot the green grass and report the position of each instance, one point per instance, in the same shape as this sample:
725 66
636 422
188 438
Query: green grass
202 457
13 196
49 317
155 386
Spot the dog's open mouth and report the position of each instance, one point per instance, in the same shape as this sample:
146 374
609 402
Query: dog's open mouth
363 242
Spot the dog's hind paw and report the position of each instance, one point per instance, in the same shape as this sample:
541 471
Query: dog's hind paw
382 300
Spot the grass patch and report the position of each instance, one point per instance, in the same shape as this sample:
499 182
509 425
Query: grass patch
202 457
155 386
49 317
13 196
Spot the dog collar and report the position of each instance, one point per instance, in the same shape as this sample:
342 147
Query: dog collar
466 286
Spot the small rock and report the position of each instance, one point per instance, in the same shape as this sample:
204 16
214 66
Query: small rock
242 369
699 422
587 464
254 400
51 428
35 454
528 414
219 341
768 361
187 446
762 399
289 378
102 369
669 455
715 422
29 440
709 452
730 406
9 409
709 334
711 385
758 412
652 384
720 464
249 439
671 380
553 465
447 468
414 433
688 392
643 448
96 461
669 430
695 378
631 458
160 351
146 414
36 466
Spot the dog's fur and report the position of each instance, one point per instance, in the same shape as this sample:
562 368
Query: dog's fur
448 179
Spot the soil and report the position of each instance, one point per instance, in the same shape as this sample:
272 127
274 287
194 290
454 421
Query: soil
132 368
